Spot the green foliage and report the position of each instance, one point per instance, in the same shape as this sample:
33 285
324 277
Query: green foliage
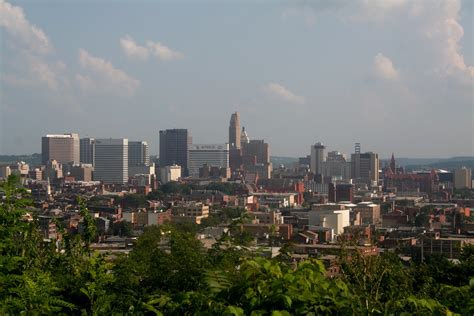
132 201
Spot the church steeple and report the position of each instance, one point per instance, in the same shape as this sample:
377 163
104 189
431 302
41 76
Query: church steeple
392 164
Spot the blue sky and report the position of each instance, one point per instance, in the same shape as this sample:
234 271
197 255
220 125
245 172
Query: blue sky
395 75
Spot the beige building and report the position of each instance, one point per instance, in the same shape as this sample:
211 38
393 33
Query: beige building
369 213
63 148
463 178
190 212
170 173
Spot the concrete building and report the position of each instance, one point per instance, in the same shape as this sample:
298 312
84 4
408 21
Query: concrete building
463 178
190 212
170 173
5 171
317 158
83 172
174 145
138 154
257 149
213 155
111 161
336 166
87 150
63 148
365 168
234 131
332 216
369 213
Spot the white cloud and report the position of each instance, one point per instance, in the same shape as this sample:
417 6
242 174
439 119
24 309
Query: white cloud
283 93
13 19
162 52
156 49
132 49
384 67
102 76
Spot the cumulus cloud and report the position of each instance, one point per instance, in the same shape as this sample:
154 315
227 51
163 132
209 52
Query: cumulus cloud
156 49
384 67
132 49
13 20
279 91
102 76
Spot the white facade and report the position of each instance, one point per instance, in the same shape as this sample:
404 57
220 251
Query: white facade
170 173
214 155
335 219
111 160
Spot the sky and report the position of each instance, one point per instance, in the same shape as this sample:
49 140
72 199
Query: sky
395 75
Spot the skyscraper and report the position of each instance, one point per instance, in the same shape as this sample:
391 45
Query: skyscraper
62 148
365 167
212 155
317 158
87 150
234 131
174 144
111 160
138 154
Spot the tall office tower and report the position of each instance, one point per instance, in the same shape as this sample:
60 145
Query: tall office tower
87 150
214 155
111 161
317 158
62 148
174 144
336 166
138 154
463 178
234 131
365 167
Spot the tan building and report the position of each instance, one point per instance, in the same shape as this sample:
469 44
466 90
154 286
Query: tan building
369 212
463 178
190 212
63 148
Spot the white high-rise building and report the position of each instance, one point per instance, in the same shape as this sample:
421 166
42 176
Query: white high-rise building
111 160
213 155
317 158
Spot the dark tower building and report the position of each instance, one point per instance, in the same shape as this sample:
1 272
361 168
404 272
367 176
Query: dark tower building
234 131
174 145
86 151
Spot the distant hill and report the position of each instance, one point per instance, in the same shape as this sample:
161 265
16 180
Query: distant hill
286 161
33 159
428 163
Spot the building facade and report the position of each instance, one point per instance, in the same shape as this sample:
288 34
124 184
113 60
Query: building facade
63 148
234 131
111 161
174 145
317 158
365 168
87 150
213 155
463 178
138 154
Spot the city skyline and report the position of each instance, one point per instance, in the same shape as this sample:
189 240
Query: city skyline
405 87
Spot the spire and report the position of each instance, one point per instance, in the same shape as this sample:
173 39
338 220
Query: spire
392 164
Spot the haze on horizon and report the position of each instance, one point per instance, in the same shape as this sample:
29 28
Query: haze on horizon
394 75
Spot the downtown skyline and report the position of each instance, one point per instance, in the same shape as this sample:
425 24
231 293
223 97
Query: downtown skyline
395 76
